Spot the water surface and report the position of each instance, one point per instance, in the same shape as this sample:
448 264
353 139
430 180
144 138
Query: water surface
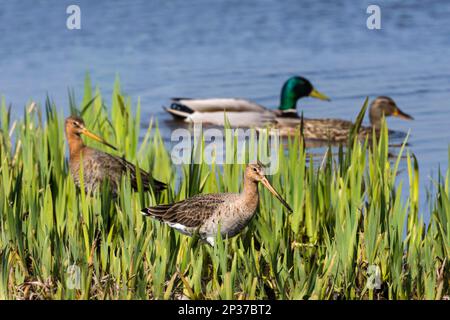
236 48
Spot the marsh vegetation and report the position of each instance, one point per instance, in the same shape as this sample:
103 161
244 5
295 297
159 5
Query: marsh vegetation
351 221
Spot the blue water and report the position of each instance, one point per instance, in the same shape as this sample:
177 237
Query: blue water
240 48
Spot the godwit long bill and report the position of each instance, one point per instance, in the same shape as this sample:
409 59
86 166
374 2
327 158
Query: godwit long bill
98 165
204 213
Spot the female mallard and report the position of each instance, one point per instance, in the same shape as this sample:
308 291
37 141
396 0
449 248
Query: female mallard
338 130
242 112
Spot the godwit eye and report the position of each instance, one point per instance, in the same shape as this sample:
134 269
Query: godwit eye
254 169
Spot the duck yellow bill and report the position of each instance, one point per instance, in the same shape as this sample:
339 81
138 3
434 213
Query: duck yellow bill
267 184
399 113
318 95
89 134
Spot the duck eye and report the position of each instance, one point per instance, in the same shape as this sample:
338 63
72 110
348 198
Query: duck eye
254 169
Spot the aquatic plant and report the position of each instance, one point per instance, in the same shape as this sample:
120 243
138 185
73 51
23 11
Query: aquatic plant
354 233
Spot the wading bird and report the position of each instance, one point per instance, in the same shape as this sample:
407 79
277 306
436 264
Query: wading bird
202 214
242 112
99 166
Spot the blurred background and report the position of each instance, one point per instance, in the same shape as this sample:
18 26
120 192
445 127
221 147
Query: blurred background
235 48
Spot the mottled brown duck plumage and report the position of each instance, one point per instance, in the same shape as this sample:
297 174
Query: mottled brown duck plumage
204 213
337 130
99 166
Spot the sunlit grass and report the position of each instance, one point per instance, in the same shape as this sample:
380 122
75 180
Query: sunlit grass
348 215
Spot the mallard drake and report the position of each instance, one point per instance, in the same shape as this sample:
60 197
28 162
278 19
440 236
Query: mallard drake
338 130
98 165
242 112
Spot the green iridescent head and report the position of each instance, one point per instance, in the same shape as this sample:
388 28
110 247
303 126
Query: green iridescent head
295 88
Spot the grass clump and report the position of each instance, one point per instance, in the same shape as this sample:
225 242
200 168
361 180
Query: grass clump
353 234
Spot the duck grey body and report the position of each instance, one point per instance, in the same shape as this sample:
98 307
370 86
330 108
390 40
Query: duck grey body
243 112
207 214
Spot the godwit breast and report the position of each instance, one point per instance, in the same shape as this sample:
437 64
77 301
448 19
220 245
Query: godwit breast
99 166
204 213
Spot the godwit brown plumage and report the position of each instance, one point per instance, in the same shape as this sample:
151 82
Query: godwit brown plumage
204 213
99 166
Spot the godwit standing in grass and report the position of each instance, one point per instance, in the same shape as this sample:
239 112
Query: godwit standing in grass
204 213
99 166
